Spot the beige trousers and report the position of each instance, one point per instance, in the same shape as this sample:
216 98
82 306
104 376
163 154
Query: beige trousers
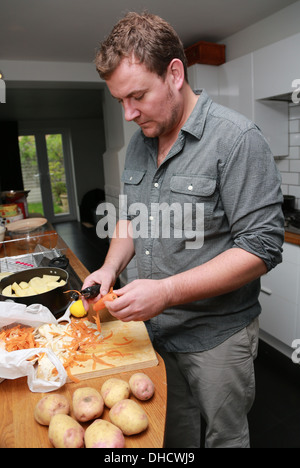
218 384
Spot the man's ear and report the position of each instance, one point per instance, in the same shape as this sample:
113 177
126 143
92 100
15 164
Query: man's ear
176 72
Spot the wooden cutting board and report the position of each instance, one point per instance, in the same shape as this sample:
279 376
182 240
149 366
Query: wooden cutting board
129 348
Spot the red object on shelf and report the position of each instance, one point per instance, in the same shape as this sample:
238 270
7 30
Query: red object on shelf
19 198
207 53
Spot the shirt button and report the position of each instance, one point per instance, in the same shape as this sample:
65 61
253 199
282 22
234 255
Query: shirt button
130 178
151 218
155 184
190 187
147 252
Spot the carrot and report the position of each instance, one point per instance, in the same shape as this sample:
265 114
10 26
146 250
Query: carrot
18 338
114 352
126 342
72 290
111 296
108 336
71 377
100 361
82 357
97 320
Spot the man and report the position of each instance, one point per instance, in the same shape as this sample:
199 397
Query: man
198 295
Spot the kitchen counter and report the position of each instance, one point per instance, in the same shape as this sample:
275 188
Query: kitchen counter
292 235
18 428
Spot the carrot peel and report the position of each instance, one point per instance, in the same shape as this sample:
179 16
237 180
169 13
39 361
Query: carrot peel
98 323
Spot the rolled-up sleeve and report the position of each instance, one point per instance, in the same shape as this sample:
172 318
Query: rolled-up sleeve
252 198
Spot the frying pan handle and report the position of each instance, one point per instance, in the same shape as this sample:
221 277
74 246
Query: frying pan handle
59 262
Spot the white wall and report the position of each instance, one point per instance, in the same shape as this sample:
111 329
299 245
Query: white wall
290 166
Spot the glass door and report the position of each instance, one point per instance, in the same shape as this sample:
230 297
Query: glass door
30 173
48 174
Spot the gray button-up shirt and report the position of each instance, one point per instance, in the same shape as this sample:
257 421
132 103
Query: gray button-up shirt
217 188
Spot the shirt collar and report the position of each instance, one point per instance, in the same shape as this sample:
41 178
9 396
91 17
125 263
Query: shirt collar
196 121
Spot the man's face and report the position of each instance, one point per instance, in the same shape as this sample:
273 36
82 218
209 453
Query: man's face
148 100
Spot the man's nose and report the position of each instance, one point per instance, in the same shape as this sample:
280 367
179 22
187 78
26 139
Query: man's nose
130 110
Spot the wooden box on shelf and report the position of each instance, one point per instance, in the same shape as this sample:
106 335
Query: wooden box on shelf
207 53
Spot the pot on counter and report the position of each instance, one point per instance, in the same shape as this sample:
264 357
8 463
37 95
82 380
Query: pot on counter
55 300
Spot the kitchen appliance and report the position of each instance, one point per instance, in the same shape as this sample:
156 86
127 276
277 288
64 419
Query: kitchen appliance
288 206
295 219
291 214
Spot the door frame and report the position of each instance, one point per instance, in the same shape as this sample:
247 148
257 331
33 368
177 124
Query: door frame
40 130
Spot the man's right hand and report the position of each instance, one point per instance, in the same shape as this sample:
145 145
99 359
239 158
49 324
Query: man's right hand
105 276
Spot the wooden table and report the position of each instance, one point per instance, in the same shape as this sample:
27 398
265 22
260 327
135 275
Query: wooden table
18 428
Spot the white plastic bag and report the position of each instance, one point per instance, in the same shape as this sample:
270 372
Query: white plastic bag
15 364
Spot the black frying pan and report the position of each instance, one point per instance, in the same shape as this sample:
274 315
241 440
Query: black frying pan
56 301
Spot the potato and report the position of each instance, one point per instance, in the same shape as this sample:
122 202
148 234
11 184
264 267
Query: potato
50 405
141 386
48 278
65 432
103 434
114 390
87 404
129 416
52 285
35 286
38 285
8 292
16 288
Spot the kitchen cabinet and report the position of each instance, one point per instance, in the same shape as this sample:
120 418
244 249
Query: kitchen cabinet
275 67
236 91
280 301
232 85
236 85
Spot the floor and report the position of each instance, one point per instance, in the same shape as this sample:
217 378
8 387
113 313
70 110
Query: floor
274 419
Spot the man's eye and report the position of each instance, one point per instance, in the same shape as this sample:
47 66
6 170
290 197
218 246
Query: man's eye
140 97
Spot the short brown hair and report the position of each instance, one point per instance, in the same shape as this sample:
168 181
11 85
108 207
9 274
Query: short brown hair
146 37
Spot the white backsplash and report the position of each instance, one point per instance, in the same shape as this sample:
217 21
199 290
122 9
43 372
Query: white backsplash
290 166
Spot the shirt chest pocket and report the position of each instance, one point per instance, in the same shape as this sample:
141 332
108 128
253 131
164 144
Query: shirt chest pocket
191 190
133 185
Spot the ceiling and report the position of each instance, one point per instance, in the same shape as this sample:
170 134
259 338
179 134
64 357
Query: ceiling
70 30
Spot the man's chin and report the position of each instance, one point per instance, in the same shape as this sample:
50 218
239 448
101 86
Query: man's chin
149 131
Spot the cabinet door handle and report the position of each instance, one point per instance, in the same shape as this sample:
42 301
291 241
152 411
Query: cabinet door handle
266 290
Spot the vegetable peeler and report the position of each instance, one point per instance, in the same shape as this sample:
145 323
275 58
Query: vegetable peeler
91 292
88 293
